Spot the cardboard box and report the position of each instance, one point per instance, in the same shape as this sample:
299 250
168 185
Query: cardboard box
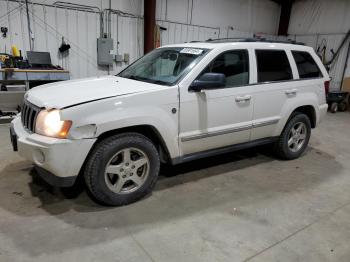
346 84
346 88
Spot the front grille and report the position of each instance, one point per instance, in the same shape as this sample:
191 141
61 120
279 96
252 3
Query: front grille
29 114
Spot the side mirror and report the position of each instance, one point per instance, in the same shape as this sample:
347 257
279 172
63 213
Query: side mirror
208 81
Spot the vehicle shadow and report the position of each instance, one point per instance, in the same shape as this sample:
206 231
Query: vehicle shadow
169 175
219 183
213 166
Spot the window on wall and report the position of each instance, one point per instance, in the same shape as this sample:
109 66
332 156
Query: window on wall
234 65
306 65
273 65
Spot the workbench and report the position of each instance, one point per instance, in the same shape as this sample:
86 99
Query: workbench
28 78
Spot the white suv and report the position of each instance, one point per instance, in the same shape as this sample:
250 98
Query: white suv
177 103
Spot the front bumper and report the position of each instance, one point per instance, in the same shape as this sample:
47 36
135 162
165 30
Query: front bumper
58 161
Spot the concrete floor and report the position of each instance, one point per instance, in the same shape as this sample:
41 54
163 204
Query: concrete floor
245 206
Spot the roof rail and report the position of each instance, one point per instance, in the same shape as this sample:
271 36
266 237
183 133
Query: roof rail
264 40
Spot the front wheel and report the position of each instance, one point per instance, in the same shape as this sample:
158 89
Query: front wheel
122 169
295 137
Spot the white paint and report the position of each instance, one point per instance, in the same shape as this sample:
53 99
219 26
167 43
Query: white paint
84 90
139 103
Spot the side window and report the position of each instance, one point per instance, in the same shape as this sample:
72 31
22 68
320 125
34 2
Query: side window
273 65
234 65
306 65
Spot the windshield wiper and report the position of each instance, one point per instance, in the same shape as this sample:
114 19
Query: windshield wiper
159 82
138 78
133 77
148 80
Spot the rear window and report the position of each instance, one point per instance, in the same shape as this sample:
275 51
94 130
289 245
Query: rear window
273 65
306 65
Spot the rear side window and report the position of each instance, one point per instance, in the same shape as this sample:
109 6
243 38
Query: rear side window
273 65
306 65
234 65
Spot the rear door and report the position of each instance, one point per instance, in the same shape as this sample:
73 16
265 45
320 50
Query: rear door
311 79
274 86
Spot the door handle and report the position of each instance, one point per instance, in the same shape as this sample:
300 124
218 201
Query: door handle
291 92
245 98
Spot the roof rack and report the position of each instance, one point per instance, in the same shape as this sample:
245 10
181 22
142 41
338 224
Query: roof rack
264 40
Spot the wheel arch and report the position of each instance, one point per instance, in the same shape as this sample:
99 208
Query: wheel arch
309 111
148 131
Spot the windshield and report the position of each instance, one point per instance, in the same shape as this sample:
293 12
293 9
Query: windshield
164 66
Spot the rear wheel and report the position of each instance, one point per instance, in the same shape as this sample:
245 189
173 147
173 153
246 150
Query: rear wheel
122 169
342 107
334 108
295 137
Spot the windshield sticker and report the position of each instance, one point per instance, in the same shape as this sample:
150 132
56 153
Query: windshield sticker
191 51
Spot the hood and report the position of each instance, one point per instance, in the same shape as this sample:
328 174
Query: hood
67 93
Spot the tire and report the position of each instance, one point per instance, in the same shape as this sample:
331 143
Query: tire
134 164
282 147
334 108
342 107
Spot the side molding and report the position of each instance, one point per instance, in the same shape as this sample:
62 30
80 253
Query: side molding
223 150
229 131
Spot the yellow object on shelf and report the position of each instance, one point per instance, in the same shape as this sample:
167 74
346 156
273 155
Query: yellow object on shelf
15 51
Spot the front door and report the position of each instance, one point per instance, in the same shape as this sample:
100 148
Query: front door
218 117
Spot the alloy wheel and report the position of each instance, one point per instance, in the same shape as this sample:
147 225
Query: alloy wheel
127 170
297 136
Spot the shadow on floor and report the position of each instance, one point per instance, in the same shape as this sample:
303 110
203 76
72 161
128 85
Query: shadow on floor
169 176
182 191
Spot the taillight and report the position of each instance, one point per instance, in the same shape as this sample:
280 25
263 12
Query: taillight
326 87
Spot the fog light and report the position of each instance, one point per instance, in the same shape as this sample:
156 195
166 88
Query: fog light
39 156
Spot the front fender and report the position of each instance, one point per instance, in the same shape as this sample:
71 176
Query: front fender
154 108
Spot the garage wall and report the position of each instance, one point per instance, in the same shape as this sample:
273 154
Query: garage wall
183 19
320 17
79 28
323 23
242 15
187 20
130 6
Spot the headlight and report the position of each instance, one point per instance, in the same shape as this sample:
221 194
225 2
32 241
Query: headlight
48 123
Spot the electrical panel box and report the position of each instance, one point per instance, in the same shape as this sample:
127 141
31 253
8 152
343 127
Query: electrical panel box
127 58
104 47
119 58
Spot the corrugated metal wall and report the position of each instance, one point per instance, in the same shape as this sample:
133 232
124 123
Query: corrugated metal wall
181 33
234 33
79 28
244 15
317 21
